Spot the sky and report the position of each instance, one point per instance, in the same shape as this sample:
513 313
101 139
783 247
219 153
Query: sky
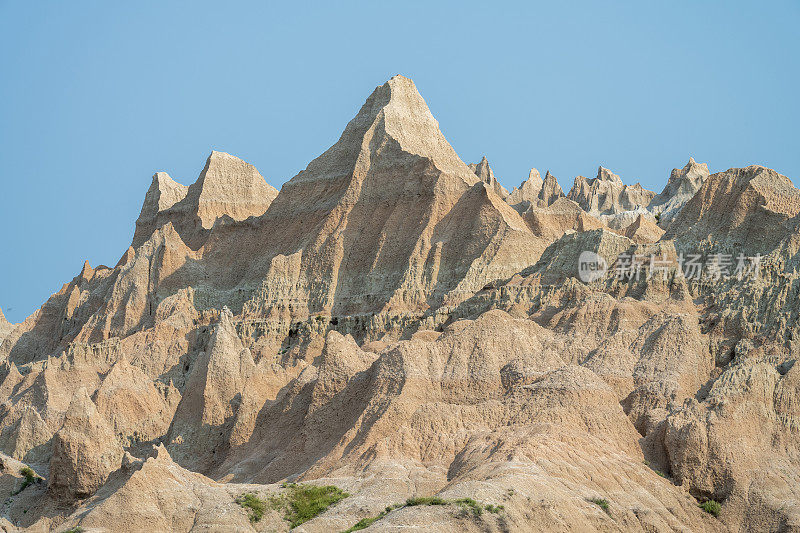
97 96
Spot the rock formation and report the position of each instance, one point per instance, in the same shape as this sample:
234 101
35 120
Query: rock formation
5 327
486 174
551 190
738 211
393 324
563 215
681 187
227 186
607 195
643 230
535 192
85 451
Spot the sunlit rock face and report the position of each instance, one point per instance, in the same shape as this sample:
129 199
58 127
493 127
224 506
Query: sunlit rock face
394 323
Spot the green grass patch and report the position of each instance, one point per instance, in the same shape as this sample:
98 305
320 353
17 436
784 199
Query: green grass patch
364 523
495 509
76 529
301 503
712 507
602 503
467 504
427 500
470 504
255 506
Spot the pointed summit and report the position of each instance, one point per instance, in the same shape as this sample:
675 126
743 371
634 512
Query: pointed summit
643 230
85 451
378 221
551 190
528 192
603 174
227 186
607 194
398 111
164 192
486 174
742 210
682 185
5 327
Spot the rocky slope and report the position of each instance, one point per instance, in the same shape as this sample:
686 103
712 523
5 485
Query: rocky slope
392 323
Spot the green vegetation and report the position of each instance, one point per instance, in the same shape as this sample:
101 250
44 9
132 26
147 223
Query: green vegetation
602 503
495 509
301 503
255 506
364 523
658 217
30 478
428 500
467 504
76 529
712 507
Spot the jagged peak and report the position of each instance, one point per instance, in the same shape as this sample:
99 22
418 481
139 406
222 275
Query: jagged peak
691 169
81 406
164 192
508 214
226 175
86 271
227 185
396 110
127 257
604 174
483 170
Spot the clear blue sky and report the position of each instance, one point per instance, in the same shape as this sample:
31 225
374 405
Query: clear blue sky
96 96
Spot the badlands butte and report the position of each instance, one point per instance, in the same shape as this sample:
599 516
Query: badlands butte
395 324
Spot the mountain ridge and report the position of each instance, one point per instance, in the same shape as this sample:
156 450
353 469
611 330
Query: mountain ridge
392 322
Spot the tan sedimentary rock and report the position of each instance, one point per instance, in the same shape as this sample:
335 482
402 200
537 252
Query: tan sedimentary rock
212 395
740 210
5 327
159 495
563 215
607 195
164 192
551 190
643 230
227 186
389 218
390 324
486 174
137 408
85 451
535 192
683 183
527 193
